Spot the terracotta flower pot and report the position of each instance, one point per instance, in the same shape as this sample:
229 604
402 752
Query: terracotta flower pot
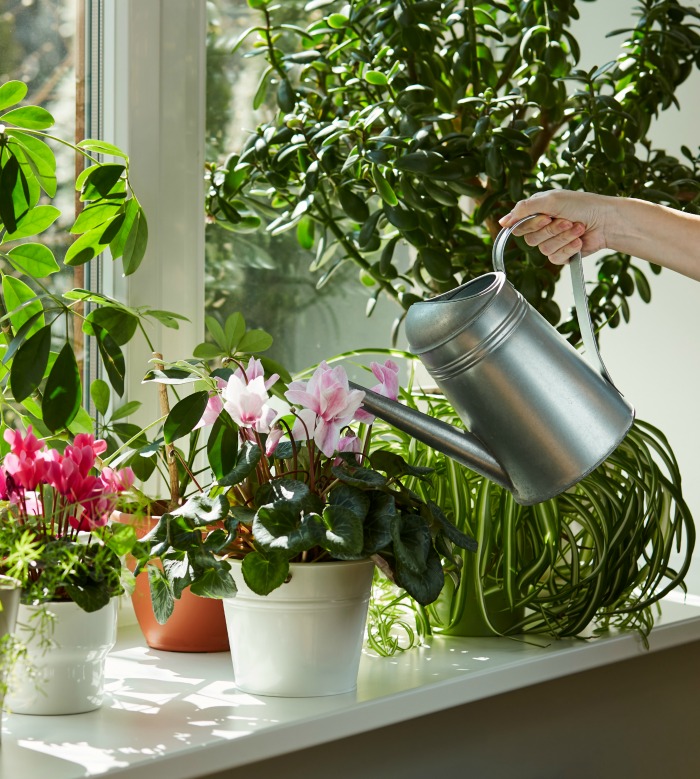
196 624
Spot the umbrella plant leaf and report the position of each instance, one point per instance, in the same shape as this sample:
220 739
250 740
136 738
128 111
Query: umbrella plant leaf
92 243
39 157
34 222
99 392
33 259
62 394
117 321
222 445
21 303
29 364
184 415
136 243
112 358
11 93
30 117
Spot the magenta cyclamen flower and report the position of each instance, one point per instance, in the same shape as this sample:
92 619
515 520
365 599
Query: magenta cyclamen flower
327 395
81 497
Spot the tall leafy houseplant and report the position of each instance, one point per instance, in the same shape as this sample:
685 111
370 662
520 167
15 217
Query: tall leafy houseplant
42 330
419 122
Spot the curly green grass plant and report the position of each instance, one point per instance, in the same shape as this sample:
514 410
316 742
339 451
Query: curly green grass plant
595 557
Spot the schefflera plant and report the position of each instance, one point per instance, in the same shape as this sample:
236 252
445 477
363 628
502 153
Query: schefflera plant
418 123
42 330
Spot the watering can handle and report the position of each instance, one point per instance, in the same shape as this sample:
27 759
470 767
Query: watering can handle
583 313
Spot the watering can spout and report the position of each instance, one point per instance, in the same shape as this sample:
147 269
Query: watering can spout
459 445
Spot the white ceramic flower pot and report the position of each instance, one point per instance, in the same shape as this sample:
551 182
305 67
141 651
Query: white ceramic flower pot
10 590
68 677
304 638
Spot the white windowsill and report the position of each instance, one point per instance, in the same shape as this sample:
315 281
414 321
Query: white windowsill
168 708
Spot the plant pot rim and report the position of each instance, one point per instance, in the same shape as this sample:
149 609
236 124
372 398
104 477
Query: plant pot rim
9 583
293 566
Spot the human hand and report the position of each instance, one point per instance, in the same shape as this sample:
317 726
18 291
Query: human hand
567 222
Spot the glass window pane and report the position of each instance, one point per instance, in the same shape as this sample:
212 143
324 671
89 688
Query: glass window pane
267 278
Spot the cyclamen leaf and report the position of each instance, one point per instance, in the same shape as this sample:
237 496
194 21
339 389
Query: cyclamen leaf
263 573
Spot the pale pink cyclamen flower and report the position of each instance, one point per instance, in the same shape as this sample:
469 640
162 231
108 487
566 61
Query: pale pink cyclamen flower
248 404
349 443
254 370
215 405
333 404
388 387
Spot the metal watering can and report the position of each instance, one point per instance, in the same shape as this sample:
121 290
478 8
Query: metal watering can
540 416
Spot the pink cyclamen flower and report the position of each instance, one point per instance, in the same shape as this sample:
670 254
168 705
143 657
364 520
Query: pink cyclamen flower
254 370
84 451
26 469
388 387
349 443
215 405
328 395
27 444
248 403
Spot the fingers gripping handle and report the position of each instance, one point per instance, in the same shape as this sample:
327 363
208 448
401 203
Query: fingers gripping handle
580 298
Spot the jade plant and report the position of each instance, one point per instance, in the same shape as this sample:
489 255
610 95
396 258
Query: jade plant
418 123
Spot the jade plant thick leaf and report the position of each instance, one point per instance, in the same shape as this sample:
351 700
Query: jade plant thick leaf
414 125
42 336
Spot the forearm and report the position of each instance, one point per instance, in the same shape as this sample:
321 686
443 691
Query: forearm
655 233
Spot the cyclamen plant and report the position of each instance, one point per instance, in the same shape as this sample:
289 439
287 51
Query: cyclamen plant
54 521
294 482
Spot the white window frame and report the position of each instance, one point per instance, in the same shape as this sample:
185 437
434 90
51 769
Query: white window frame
154 57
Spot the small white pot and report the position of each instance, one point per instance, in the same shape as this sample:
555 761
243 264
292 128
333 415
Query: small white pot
304 638
68 677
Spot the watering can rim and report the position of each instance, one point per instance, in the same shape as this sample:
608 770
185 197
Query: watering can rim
453 296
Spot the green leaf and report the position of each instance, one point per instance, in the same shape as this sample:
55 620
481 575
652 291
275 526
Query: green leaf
234 327
184 415
30 117
21 303
93 242
343 532
425 585
131 209
29 364
62 393
248 457
99 392
136 243
166 318
11 93
222 445
101 147
214 582
437 263
281 526
264 572
353 205
412 542
35 221
207 351
126 409
10 210
112 358
94 215
117 321
99 181
453 533
203 510
82 423
39 157
377 526
162 596
376 78
384 189
216 331
254 341
33 259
